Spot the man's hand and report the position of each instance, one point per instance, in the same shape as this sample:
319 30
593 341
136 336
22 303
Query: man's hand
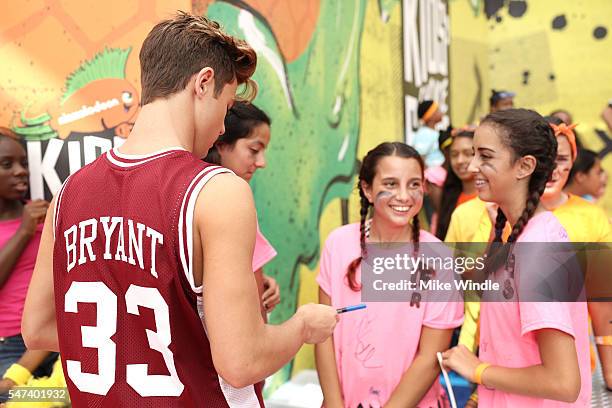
319 322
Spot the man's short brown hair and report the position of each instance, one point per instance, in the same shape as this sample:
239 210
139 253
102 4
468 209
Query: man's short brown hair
179 47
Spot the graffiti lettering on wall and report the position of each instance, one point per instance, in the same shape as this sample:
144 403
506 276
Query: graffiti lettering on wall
426 41
96 111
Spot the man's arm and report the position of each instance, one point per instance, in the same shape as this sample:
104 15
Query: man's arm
39 326
244 349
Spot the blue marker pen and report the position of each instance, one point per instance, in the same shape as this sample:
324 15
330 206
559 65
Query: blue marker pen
351 308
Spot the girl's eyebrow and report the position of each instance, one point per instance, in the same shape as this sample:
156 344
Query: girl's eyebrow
486 149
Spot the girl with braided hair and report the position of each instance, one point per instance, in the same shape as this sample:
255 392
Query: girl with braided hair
385 354
532 354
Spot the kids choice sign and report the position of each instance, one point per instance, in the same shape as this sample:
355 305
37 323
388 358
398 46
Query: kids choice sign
426 40
96 112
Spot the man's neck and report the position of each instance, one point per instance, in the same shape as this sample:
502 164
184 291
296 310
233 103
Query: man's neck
160 125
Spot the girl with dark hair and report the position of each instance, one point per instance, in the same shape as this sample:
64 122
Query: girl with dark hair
532 354
587 178
242 150
385 354
459 184
20 232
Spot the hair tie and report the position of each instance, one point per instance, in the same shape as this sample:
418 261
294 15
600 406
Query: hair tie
429 113
567 131
465 128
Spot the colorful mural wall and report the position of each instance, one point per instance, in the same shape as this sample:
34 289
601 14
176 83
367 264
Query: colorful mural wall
336 76
330 75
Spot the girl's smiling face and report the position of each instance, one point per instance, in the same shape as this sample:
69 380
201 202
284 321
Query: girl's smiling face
396 191
460 155
498 174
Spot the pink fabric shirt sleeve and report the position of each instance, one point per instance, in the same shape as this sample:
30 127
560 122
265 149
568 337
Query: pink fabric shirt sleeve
325 269
263 252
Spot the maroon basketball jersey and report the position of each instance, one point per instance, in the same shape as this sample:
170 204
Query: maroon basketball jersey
130 333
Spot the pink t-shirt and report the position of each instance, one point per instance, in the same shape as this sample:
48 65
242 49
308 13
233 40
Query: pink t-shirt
507 329
13 292
374 347
263 251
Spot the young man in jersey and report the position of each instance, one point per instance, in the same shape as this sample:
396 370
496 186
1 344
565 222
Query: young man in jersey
143 279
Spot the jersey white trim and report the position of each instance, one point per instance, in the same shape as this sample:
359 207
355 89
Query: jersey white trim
144 156
116 162
239 397
245 397
58 203
186 220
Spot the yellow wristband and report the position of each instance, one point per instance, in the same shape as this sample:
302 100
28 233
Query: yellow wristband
18 374
478 372
603 340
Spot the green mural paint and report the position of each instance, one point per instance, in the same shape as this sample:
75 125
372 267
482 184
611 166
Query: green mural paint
314 105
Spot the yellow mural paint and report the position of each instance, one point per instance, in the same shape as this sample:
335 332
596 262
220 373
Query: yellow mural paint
549 55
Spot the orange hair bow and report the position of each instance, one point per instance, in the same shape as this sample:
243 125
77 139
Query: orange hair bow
567 131
466 128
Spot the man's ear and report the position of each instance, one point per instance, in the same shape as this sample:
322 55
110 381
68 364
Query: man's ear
204 81
526 166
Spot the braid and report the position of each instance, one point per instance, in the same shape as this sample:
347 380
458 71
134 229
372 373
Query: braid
500 224
532 203
526 133
365 206
352 269
530 207
416 232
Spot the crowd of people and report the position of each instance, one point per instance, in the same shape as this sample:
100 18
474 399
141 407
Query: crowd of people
183 321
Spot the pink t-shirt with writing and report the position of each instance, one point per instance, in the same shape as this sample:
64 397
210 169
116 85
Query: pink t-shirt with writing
374 347
13 292
263 252
507 329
